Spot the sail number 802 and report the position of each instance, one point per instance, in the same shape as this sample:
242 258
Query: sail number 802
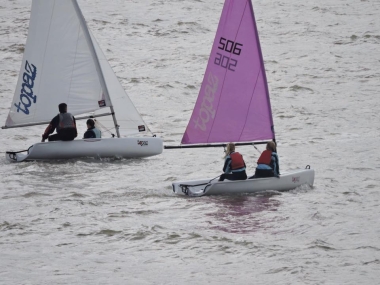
231 47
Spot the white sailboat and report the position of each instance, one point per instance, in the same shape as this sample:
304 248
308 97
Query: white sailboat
233 105
63 63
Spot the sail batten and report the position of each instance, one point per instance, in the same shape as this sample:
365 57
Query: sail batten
233 104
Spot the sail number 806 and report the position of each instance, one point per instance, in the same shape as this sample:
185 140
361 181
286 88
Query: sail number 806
231 47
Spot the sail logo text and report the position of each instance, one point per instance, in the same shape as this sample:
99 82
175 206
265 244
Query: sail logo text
26 94
207 110
142 143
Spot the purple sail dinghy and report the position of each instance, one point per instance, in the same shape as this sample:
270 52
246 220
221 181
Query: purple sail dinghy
233 105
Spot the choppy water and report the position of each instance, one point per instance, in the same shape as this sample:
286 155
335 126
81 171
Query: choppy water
117 221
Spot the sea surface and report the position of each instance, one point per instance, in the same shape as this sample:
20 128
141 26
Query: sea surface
115 221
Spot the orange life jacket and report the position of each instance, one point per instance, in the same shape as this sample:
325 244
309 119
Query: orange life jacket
237 161
265 158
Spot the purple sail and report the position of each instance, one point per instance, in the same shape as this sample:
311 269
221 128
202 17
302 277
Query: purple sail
233 104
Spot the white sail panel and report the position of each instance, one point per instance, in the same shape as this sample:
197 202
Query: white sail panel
128 118
58 66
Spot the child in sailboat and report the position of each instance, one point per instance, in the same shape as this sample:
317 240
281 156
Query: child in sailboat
234 165
268 163
64 123
92 131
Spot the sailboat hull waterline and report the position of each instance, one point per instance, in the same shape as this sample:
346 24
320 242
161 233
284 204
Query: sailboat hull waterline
97 148
63 63
204 187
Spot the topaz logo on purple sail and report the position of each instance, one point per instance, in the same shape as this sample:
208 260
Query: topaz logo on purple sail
207 110
142 143
27 98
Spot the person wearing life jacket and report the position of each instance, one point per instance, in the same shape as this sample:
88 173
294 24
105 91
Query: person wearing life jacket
268 163
234 165
92 131
65 125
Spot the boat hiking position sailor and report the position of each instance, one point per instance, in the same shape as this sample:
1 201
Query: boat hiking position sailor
234 165
268 163
65 125
92 131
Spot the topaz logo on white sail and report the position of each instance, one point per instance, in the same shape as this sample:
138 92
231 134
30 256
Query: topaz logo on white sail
142 143
207 110
26 95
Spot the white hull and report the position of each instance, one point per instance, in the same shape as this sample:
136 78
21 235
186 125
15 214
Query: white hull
109 147
287 181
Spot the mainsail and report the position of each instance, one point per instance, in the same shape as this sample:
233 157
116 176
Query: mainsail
63 63
233 104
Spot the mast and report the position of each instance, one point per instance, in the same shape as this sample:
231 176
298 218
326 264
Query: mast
97 64
263 68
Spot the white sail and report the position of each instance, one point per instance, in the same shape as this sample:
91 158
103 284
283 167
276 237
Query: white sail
127 116
62 63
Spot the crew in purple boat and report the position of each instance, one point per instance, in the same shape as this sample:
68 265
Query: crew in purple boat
234 165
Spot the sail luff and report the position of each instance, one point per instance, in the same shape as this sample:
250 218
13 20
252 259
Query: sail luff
45 46
129 120
96 60
263 69
251 96
224 79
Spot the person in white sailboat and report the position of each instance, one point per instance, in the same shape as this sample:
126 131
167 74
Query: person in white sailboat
268 163
92 131
234 165
65 125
